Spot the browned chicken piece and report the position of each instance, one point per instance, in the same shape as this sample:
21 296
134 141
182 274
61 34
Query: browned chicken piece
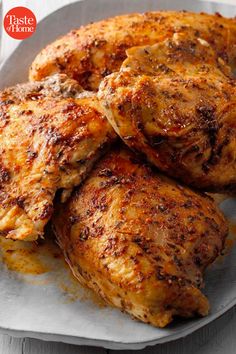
51 134
90 53
175 103
140 240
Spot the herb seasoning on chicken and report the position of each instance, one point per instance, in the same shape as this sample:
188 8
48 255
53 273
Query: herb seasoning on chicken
51 134
91 52
140 240
175 103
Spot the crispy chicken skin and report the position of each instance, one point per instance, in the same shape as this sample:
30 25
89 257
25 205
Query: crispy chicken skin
51 134
91 52
140 240
175 103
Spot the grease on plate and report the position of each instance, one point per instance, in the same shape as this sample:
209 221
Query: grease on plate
42 263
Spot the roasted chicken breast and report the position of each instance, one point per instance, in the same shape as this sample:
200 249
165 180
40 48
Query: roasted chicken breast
51 134
91 52
175 103
140 240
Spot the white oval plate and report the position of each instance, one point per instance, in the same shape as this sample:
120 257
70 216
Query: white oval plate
39 311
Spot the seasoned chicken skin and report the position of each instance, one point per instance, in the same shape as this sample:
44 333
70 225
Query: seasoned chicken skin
175 103
91 52
51 134
140 240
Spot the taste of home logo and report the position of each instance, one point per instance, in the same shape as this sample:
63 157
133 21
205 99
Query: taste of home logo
20 23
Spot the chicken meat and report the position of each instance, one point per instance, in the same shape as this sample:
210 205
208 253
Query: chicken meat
51 134
175 103
91 52
140 240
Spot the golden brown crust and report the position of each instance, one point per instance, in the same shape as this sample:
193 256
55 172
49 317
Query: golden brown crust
175 102
140 240
91 52
51 134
